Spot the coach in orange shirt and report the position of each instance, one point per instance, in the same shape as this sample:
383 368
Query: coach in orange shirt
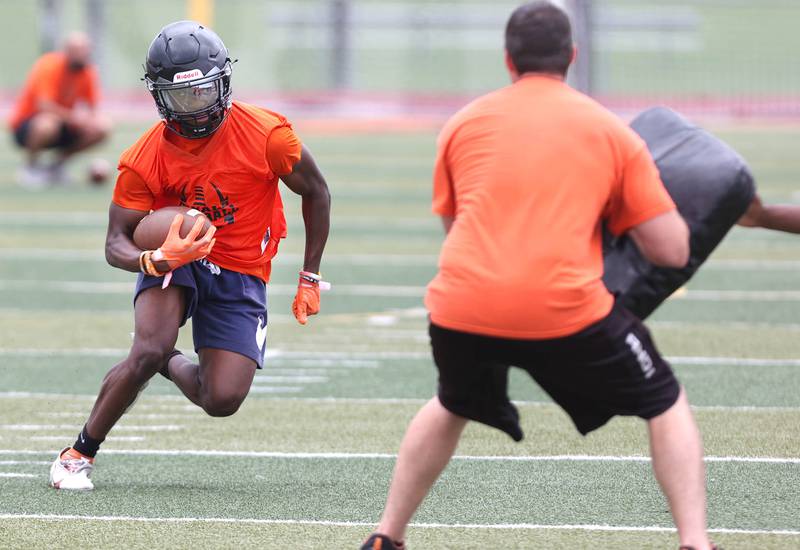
524 179
45 116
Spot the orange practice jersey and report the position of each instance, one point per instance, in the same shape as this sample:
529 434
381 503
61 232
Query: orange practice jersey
529 172
231 176
51 79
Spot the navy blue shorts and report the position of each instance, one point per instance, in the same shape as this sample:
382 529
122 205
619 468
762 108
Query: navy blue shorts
228 309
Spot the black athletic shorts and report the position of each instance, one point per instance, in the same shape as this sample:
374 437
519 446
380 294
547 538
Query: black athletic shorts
65 139
610 368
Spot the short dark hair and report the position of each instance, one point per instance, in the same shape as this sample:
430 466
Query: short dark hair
539 38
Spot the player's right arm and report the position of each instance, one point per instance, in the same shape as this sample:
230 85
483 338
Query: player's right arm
131 202
121 252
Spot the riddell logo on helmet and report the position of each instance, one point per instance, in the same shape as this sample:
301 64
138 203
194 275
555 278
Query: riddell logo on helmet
187 75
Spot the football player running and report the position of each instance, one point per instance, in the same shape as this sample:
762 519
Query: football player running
223 158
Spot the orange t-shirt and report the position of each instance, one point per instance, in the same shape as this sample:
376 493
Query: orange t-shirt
231 176
529 172
51 79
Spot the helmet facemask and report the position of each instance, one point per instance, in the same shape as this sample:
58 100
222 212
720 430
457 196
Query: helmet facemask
193 105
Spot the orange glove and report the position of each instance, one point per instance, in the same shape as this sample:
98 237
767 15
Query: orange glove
306 301
177 251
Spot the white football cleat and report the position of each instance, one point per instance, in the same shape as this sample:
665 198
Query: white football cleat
71 473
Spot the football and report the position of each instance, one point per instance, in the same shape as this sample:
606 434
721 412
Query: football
153 228
99 171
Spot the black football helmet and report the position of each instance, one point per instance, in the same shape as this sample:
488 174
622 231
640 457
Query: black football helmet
188 72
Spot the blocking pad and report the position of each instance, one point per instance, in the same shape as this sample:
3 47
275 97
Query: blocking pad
712 186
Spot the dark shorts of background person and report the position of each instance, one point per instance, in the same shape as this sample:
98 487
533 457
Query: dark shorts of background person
228 309
610 368
65 139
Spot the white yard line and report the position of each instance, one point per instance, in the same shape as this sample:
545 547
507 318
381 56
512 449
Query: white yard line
359 400
421 336
744 408
120 427
65 352
392 456
83 254
386 291
297 370
416 335
51 254
70 436
297 379
332 400
271 354
751 265
369 358
96 254
477 526
61 218
694 326
82 312
276 389
44 395
133 414
524 403
73 287
99 287
738 361
737 295
175 403
100 219
13 474
365 260
276 358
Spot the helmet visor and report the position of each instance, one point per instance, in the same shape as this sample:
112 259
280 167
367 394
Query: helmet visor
191 99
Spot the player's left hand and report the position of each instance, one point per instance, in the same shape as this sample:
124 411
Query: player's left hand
306 301
177 251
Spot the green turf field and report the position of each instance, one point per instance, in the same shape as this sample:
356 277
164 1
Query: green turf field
307 460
